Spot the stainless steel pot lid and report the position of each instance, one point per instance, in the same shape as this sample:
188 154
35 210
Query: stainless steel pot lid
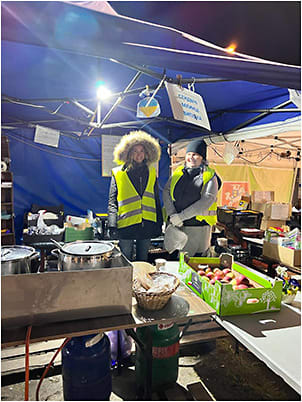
87 248
11 253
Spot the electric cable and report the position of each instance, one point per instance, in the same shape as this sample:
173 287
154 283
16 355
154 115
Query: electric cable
28 332
53 152
48 367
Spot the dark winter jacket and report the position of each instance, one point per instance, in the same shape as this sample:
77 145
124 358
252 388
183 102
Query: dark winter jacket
138 175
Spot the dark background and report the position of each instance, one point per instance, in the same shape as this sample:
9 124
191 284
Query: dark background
267 29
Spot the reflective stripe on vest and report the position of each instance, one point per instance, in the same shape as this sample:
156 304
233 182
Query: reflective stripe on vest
132 208
211 217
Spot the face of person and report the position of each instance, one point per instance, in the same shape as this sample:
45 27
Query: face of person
193 160
138 153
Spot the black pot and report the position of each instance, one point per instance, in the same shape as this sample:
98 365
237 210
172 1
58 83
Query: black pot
19 260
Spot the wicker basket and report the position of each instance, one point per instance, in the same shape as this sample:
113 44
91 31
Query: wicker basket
152 300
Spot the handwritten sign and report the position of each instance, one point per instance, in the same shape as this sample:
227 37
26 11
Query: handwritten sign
187 106
232 191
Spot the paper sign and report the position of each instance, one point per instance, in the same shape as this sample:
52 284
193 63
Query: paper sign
187 106
47 136
108 144
232 191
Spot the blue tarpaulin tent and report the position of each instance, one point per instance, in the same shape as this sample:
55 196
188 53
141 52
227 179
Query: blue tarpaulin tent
54 53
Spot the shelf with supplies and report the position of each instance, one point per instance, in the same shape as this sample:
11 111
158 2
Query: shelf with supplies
7 196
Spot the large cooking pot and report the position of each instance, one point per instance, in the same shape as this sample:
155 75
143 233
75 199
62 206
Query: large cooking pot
86 254
19 260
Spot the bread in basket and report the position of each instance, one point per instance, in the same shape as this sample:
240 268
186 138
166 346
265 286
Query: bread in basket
158 295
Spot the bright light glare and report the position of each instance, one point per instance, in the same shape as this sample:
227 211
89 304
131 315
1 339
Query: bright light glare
231 48
103 92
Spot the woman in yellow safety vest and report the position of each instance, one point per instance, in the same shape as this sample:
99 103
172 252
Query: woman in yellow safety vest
134 209
190 201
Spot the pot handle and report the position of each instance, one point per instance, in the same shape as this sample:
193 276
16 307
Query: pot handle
36 254
55 252
185 328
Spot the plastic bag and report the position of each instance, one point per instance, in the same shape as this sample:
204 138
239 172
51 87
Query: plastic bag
125 343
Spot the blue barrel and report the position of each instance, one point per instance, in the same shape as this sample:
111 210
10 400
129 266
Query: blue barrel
86 363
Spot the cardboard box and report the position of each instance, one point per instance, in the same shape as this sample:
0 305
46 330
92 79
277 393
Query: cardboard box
273 210
263 196
278 210
284 255
258 206
266 223
221 296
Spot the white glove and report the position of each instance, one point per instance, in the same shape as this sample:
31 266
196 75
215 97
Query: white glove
176 220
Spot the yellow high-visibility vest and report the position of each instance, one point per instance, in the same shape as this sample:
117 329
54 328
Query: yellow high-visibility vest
132 208
211 216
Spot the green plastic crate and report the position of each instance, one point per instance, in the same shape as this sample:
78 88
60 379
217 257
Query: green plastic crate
223 298
72 234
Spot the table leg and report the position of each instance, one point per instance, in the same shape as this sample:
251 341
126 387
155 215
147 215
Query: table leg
119 353
42 264
147 351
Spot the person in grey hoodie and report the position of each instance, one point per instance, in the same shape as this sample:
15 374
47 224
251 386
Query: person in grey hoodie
190 198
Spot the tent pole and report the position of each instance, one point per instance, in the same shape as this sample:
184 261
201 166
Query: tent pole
158 76
258 111
252 120
120 98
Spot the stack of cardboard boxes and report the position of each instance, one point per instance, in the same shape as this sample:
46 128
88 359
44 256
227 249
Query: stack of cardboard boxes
274 213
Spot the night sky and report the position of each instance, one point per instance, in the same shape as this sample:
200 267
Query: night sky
266 29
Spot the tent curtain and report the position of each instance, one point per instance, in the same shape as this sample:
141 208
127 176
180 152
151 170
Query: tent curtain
280 181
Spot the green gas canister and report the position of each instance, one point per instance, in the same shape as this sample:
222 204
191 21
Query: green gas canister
165 354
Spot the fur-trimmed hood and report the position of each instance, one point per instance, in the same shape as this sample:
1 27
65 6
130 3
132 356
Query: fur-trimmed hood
122 150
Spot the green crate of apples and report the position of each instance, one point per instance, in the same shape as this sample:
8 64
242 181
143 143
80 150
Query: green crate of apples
229 287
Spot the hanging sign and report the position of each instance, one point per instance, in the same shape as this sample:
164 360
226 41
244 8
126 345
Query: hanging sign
187 106
232 191
47 136
147 109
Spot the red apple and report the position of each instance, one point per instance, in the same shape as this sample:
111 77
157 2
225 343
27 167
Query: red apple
212 281
208 270
201 272
230 275
218 277
210 275
235 282
243 279
241 286
226 271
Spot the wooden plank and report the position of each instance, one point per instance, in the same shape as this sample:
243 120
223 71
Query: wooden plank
33 348
200 392
202 327
203 337
202 331
15 365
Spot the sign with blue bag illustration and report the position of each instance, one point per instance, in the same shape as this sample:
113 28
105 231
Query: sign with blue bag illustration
147 108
